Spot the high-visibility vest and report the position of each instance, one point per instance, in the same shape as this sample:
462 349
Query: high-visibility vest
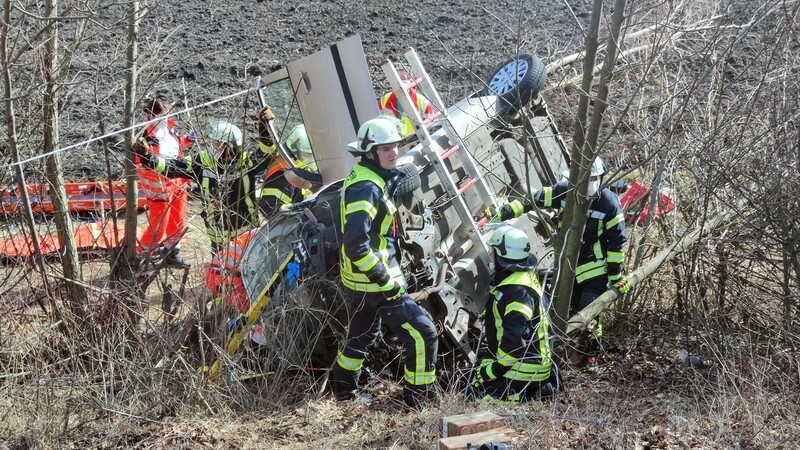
536 363
353 273
389 105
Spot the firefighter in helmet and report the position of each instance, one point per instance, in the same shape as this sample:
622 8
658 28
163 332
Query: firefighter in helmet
602 252
226 174
517 364
284 185
373 282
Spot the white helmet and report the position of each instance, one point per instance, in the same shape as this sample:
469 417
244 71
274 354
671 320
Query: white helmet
510 244
298 140
224 131
374 132
598 168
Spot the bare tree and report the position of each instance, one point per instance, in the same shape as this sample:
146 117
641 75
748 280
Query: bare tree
51 71
584 151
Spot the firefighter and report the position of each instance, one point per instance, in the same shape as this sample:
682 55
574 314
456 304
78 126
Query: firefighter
299 144
372 280
602 252
517 364
281 185
390 106
226 174
167 200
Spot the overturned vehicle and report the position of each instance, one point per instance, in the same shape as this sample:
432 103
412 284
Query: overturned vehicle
460 162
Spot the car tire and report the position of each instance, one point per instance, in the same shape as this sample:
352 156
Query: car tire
410 182
531 77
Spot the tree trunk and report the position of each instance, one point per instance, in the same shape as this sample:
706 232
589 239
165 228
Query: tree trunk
11 128
566 253
584 152
125 261
75 292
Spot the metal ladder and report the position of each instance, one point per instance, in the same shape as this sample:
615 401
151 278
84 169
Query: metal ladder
436 153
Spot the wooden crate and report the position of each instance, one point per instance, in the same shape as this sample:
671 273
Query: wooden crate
503 435
470 423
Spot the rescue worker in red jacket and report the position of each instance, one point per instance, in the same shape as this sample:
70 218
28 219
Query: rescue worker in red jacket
226 174
602 252
373 282
517 363
390 106
167 200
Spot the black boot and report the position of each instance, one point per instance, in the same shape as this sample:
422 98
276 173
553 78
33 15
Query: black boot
419 398
173 259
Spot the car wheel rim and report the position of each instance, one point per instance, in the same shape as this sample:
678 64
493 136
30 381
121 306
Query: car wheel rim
509 77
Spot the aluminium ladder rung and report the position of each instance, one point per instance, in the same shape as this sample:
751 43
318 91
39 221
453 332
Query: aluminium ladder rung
465 187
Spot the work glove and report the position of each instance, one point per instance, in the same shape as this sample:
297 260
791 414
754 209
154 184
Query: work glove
487 373
505 213
619 283
394 292
193 135
622 286
141 147
266 114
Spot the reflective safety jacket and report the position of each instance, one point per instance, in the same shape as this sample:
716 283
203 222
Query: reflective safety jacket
170 146
389 105
229 193
518 329
604 239
369 262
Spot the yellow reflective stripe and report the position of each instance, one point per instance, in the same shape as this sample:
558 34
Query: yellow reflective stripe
385 100
367 262
420 379
542 375
505 358
361 287
267 149
597 250
591 274
248 200
614 277
408 127
521 308
598 329
589 266
361 205
615 257
527 278
548 196
351 364
516 208
417 376
498 322
614 221
161 165
274 192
